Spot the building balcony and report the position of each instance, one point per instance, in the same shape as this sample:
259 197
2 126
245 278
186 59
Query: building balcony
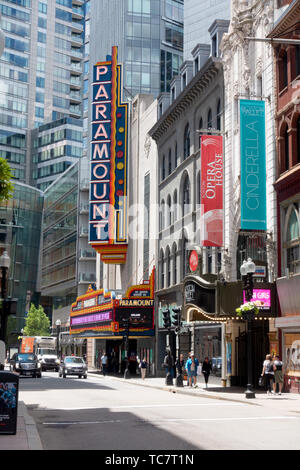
84 209
77 13
78 3
75 111
76 53
76 40
84 231
76 68
75 97
75 83
77 27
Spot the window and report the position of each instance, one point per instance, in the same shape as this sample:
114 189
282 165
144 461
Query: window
176 156
174 256
200 127
186 142
186 196
161 267
286 148
184 257
168 267
283 71
169 211
292 241
163 168
209 120
219 115
162 215
170 162
175 211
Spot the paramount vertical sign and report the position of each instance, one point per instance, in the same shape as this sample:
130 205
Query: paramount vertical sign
253 165
211 190
108 184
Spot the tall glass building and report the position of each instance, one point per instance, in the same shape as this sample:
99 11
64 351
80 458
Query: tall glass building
20 235
40 72
149 36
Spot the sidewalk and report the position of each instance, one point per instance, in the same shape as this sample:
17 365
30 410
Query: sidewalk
27 437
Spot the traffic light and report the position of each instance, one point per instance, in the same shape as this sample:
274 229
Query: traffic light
176 318
166 318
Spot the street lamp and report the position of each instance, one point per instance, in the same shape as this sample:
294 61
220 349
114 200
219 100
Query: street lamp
126 324
247 270
4 265
57 323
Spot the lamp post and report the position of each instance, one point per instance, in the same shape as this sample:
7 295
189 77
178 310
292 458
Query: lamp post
167 325
57 323
4 265
126 324
247 270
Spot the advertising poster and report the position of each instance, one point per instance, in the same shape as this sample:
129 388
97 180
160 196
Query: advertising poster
211 190
8 406
253 165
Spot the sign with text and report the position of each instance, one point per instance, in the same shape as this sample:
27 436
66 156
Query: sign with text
211 190
253 165
262 297
108 184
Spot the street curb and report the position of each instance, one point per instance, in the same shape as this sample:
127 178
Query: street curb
179 390
34 441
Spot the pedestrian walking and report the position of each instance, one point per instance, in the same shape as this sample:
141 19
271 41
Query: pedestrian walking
143 367
278 374
191 366
169 363
104 361
268 373
206 370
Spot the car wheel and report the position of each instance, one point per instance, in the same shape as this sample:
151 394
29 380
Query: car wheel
64 376
79 376
85 376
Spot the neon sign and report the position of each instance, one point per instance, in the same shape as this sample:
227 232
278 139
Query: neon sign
108 183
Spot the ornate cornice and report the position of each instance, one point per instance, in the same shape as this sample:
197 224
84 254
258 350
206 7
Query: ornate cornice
187 97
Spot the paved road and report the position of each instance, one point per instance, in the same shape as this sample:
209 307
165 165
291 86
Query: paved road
103 413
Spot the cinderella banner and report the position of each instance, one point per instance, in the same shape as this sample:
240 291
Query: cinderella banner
253 165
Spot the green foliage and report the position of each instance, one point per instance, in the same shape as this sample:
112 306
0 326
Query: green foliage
247 307
6 186
37 322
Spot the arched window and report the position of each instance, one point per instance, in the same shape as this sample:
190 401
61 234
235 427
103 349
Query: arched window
174 256
186 196
168 267
184 256
200 127
170 162
209 120
169 211
286 148
186 142
163 168
175 202
162 215
176 156
161 268
283 71
292 243
219 115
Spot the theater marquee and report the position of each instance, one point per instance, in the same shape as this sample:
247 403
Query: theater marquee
108 185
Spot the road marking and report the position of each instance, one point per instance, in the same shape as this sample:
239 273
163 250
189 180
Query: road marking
165 405
162 420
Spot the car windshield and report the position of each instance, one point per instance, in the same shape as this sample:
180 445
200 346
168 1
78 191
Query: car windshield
27 357
47 351
76 360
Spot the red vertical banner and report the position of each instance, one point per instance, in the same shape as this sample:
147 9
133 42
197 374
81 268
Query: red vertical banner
211 230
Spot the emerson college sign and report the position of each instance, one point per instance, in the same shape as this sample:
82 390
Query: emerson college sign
108 184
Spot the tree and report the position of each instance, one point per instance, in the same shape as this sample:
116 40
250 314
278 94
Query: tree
6 186
37 322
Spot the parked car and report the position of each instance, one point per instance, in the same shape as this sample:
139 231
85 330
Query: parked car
72 365
216 366
26 364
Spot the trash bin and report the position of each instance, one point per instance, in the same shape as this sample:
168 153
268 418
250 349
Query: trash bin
9 391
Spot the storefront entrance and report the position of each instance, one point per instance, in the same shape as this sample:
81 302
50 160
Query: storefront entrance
115 350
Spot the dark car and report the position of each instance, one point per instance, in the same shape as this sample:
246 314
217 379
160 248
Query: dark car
26 364
72 365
